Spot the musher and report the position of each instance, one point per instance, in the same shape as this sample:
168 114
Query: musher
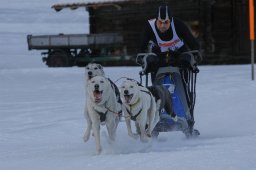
167 37
168 41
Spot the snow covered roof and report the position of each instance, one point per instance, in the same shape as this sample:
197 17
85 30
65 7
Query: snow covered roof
94 3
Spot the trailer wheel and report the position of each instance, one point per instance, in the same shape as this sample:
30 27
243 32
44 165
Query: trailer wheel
58 58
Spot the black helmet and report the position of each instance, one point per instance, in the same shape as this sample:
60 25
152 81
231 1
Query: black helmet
163 13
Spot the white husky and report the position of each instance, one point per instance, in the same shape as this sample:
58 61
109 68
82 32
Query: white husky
102 109
140 106
92 70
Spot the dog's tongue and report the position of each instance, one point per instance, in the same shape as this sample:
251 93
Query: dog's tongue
97 96
127 98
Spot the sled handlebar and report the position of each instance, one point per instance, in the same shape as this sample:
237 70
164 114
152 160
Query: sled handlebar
195 57
196 53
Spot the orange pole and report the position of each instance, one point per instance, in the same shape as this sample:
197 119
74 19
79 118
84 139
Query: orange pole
252 36
251 16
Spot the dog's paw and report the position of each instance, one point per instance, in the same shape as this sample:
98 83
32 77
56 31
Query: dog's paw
134 135
148 132
149 135
138 131
98 151
86 137
144 139
103 123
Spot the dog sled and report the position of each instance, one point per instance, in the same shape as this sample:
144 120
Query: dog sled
180 80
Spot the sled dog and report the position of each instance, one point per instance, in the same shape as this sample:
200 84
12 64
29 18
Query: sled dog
92 70
162 94
102 109
140 106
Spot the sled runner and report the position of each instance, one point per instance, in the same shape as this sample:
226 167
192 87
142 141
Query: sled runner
180 80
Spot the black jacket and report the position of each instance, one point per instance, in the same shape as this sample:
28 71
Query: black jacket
182 31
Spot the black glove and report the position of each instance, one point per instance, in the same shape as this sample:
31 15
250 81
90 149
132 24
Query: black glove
152 63
198 57
156 49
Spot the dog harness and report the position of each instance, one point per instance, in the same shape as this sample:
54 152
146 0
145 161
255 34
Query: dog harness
102 116
135 116
130 113
131 105
171 45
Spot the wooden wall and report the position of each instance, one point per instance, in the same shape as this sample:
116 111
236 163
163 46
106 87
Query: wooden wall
222 25
229 29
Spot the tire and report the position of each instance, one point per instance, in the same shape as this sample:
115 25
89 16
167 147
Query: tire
58 58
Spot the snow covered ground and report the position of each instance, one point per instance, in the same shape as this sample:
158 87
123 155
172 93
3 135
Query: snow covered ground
42 124
41 109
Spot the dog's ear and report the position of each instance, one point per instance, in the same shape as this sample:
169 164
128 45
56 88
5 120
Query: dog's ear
100 67
132 80
87 67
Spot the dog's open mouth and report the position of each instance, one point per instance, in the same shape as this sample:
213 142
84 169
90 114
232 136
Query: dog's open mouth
128 98
97 95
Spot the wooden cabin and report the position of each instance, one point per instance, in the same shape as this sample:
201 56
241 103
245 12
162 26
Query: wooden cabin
221 26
